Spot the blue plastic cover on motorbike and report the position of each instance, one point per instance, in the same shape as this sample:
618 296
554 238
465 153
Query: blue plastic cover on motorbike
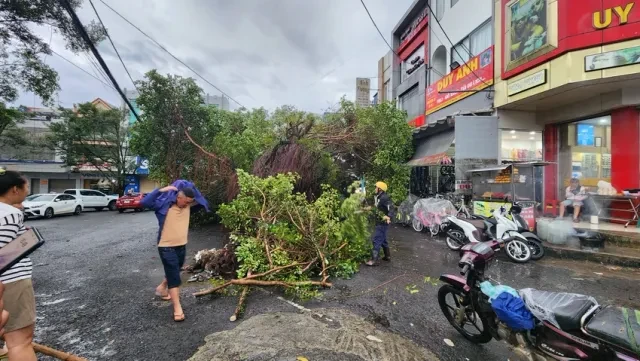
494 291
512 311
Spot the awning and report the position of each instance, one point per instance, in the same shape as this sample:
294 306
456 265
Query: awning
433 150
489 169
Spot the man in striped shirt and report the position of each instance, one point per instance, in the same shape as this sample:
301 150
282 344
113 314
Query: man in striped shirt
18 297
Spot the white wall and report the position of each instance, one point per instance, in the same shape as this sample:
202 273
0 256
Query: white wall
458 22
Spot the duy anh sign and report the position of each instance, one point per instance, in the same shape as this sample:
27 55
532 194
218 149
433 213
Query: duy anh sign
476 74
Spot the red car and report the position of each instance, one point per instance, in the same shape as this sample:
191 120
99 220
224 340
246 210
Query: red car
130 201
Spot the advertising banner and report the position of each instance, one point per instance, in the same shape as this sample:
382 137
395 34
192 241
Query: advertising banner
476 74
612 59
485 209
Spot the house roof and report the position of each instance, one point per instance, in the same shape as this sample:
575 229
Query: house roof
98 102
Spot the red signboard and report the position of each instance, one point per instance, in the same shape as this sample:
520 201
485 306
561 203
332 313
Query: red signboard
419 23
580 24
476 74
417 121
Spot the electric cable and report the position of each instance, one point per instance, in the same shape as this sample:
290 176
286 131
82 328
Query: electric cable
433 15
83 70
171 54
113 45
83 33
377 28
385 40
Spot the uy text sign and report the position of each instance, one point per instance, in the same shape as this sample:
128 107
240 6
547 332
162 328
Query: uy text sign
476 74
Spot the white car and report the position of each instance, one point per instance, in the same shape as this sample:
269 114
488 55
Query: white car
94 199
49 205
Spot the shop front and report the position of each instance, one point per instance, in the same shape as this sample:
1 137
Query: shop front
579 84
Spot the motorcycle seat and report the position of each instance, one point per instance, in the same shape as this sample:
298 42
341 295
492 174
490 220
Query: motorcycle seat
488 219
566 308
617 325
478 223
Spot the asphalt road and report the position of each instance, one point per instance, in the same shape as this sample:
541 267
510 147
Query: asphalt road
94 281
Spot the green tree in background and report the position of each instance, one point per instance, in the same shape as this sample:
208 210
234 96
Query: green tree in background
22 52
94 137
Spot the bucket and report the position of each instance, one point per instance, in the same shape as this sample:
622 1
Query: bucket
594 219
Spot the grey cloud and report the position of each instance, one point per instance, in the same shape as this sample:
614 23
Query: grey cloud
260 52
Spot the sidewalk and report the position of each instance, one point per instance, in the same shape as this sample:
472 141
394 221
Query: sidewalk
621 245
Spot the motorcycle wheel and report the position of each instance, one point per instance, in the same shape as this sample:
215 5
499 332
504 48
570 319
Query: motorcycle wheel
518 251
453 311
537 250
417 225
434 229
452 243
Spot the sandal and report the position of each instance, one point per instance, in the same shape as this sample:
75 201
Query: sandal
178 317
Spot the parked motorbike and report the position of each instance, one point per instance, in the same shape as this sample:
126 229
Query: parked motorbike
461 232
572 328
496 226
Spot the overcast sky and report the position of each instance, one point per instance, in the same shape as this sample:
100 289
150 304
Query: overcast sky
306 53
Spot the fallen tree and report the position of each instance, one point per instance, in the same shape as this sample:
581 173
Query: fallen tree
283 239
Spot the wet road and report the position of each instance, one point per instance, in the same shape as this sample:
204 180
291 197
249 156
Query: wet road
94 282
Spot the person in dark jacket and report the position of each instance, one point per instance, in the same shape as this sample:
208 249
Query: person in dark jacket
172 205
386 211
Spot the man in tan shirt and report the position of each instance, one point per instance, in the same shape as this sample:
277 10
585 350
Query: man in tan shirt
172 240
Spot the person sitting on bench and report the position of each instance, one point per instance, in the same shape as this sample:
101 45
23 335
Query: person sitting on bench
576 194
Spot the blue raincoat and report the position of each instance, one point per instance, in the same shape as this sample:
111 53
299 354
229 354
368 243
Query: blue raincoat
161 202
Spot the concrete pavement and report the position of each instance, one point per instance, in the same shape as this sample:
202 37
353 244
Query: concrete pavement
94 282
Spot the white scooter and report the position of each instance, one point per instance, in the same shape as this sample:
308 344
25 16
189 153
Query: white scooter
461 232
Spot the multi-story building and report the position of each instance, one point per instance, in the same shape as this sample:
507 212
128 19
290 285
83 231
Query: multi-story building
572 68
139 180
219 101
443 73
410 42
44 169
385 75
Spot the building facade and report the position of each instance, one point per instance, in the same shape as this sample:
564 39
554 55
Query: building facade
571 68
43 167
138 180
385 75
410 39
219 101
457 97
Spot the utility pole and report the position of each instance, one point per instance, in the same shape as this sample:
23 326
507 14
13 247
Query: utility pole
83 32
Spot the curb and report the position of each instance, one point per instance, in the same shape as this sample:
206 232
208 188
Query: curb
599 257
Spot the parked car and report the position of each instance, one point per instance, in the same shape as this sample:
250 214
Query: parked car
94 199
49 205
130 201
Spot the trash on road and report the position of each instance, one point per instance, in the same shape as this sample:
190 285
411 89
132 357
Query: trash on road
449 342
373 338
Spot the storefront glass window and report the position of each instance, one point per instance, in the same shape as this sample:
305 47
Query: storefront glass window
585 152
517 145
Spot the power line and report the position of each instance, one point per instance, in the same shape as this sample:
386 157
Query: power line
433 15
84 71
83 32
168 52
113 45
377 28
385 40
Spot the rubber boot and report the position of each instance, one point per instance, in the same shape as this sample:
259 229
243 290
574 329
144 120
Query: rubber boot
387 254
374 259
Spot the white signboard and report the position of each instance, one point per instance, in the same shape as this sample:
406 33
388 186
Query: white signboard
526 83
363 92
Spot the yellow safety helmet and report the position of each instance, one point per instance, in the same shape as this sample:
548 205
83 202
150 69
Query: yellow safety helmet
382 185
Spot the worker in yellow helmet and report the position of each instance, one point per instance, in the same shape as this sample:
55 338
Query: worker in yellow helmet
385 208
